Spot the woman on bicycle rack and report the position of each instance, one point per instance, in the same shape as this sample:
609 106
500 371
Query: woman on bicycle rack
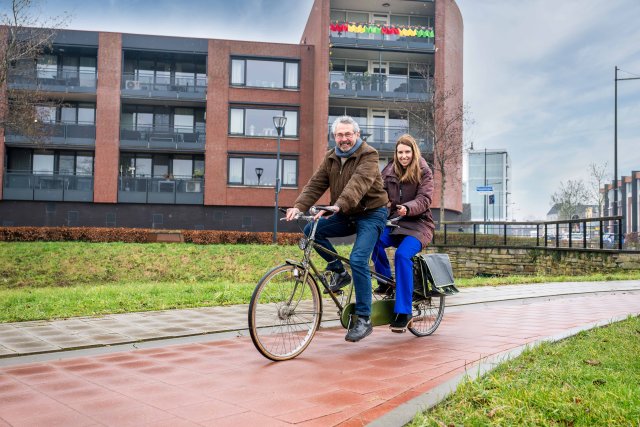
409 184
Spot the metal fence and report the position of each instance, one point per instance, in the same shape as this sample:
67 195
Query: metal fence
601 233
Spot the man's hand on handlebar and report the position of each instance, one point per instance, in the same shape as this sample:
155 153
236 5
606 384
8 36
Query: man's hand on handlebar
292 213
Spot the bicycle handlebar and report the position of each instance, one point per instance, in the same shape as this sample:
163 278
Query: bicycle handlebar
393 222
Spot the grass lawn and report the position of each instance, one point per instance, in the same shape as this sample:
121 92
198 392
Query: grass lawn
590 379
46 280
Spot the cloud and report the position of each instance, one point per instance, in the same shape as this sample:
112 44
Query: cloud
539 81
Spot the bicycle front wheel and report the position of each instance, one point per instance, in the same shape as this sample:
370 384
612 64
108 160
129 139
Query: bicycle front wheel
284 313
427 315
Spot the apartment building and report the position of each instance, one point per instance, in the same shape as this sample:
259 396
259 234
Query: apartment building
169 132
628 188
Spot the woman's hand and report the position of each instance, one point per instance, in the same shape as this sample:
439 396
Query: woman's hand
402 210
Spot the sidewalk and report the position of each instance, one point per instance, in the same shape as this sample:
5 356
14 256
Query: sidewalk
17 339
218 382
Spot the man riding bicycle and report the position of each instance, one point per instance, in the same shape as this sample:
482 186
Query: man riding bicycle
358 202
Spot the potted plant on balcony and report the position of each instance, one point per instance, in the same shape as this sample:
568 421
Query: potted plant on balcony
198 174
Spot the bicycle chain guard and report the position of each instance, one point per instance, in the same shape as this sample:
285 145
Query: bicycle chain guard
381 312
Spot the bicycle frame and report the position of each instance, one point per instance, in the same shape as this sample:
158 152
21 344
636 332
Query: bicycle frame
307 264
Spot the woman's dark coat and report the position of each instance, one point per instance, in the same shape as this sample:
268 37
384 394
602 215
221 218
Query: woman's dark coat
416 198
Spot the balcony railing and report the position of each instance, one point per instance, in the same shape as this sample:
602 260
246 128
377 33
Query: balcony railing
385 41
55 81
177 190
47 187
191 88
65 134
162 138
355 85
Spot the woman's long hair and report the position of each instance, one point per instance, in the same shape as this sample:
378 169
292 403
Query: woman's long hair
412 173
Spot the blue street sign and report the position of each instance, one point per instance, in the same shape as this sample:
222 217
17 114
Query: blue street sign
485 189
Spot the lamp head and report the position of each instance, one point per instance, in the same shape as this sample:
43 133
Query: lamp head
279 122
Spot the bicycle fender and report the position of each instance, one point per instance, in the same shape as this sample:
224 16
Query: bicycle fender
293 262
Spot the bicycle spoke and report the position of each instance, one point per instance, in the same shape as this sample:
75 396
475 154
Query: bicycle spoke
284 313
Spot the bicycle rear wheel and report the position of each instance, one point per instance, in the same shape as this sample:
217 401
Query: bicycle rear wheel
284 313
427 315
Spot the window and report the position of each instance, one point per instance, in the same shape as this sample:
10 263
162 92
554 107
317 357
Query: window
259 122
165 72
43 163
358 114
182 166
49 162
70 113
177 119
47 67
265 73
73 68
261 171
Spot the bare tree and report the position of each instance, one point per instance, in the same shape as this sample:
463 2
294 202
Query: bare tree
598 176
441 118
24 36
569 197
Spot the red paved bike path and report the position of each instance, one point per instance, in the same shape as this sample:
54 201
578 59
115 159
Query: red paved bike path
227 382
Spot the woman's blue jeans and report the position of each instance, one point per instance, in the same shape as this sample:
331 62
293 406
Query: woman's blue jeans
407 246
367 228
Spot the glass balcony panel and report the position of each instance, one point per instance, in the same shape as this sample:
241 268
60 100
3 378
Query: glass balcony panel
173 190
24 185
176 137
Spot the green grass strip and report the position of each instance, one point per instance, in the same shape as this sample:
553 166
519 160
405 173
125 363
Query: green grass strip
590 379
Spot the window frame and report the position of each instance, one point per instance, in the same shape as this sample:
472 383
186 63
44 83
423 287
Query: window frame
244 121
284 61
266 157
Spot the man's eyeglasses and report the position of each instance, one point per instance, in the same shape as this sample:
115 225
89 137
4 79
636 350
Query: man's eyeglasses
347 135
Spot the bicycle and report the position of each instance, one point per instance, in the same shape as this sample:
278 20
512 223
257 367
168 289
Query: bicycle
285 310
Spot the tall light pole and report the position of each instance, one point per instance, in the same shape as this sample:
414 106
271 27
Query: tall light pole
615 150
486 208
278 122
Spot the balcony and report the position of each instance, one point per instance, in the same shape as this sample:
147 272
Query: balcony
181 190
381 86
382 41
383 138
55 81
57 188
162 138
178 88
63 135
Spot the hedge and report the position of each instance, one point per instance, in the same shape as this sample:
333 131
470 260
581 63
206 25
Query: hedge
138 235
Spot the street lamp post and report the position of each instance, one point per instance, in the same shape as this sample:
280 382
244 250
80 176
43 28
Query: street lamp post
486 208
615 151
278 122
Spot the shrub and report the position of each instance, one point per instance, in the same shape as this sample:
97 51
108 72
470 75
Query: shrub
138 235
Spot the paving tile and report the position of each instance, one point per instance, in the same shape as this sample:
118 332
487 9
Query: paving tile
208 410
245 419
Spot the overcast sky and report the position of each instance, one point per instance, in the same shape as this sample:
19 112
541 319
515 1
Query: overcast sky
538 74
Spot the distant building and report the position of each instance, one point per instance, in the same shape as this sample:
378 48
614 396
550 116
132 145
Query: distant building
628 202
489 168
581 212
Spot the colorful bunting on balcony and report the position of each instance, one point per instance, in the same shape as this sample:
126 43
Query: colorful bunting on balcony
404 30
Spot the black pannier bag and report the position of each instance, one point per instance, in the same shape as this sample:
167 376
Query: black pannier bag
432 274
